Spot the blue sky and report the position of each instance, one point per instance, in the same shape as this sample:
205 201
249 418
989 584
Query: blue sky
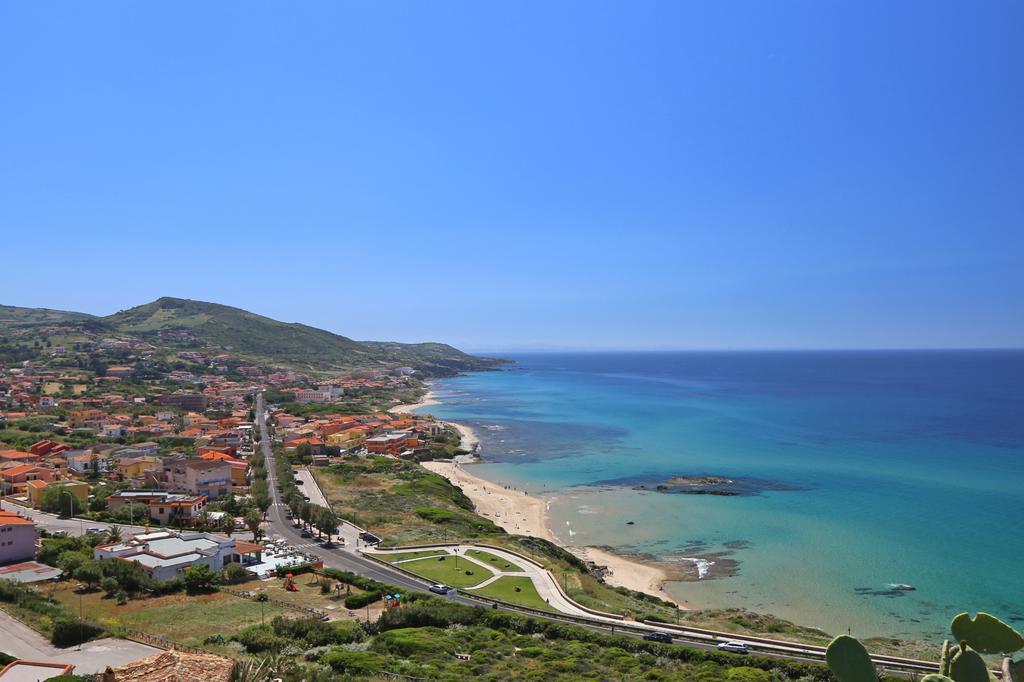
526 175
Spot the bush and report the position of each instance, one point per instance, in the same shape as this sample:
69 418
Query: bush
234 574
357 601
355 662
69 631
199 578
109 585
259 638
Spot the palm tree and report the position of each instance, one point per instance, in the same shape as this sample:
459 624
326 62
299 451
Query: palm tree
253 519
114 533
227 524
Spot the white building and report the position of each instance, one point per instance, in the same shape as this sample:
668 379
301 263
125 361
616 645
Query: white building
165 555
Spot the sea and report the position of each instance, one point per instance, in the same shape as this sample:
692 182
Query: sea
878 493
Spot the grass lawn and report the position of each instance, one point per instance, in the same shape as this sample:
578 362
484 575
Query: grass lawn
400 556
445 572
505 590
184 619
495 560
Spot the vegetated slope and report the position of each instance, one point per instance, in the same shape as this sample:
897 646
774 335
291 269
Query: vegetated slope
430 356
249 334
14 316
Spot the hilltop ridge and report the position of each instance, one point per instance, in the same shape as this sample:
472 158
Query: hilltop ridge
185 323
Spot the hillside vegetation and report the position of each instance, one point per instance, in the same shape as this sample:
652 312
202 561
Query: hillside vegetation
212 326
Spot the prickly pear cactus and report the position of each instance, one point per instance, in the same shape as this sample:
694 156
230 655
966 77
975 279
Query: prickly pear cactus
968 666
849 661
944 657
986 633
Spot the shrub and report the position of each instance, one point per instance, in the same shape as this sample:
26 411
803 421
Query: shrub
199 578
69 631
355 662
109 585
357 601
234 574
259 638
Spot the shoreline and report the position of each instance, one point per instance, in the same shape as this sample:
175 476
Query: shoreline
523 514
427 400
470 441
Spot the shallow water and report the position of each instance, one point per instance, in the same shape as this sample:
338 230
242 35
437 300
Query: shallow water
894 468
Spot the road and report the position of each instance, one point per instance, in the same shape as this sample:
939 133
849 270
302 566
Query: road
92 657
71 526
347 559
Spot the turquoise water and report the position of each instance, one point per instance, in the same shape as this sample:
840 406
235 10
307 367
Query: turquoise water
859 471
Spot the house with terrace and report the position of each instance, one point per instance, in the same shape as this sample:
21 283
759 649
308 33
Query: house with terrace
165 555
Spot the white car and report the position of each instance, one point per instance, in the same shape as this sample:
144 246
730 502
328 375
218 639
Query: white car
735 647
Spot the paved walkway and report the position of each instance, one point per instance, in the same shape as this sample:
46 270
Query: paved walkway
545 583
93 657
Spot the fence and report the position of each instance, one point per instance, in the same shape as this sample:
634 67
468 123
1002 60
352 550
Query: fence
157 641
308 610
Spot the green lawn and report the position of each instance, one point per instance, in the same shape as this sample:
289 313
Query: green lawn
400 556
495 560
505 590
445 571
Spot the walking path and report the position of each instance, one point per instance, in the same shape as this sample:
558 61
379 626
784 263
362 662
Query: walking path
542 580
23 642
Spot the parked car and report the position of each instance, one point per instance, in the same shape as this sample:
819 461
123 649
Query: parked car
59 533
663 637
368 537
306 498
93 530
440 589
735 647
299 481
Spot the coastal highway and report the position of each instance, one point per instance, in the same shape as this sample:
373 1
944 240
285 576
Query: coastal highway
346 558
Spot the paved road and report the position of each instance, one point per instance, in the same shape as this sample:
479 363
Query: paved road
93 657
72 526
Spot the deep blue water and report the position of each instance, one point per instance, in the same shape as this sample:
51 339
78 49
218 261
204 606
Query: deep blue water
893 467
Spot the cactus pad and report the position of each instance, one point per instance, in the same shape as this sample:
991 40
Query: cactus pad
849 660
968 666
986 634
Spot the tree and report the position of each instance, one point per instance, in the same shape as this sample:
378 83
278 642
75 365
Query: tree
89 573
227 524
109 585
252 522
327 521
114 533
199 578
60 500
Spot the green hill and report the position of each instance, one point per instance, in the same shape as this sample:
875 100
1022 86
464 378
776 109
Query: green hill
173 323
13 316
248 334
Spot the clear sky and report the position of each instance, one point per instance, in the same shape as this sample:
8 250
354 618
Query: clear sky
506 175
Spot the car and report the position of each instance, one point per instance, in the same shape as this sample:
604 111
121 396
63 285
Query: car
93 530
657 636
299 481
440 589
328 544
306 498
735 647
59 533
306 534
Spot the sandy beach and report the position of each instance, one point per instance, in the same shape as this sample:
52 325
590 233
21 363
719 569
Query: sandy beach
426 401
513 510
523 514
